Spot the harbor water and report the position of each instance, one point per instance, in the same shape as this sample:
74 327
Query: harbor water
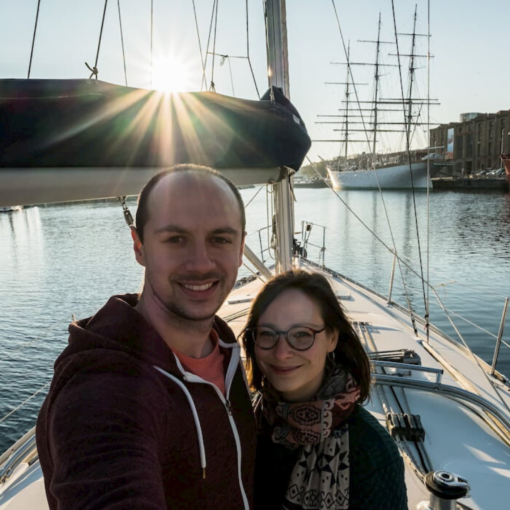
61 261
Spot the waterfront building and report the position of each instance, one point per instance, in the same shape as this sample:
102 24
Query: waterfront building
475 143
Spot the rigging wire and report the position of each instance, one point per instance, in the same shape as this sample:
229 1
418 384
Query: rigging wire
248 49
94 70
231 78
253 197
198 36
33 39
212 86
152 35
407 123
427 302
122 42
24 402
204 78
394 251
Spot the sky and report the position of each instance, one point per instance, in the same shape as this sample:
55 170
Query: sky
469 69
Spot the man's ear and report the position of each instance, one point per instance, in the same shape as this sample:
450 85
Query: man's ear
137 246
241 252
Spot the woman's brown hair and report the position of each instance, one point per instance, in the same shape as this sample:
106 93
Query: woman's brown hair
349 352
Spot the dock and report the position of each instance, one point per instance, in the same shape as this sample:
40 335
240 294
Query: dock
467 183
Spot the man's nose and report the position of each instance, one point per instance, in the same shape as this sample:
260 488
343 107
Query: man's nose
199 258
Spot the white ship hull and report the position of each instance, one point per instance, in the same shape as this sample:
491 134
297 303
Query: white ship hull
392 177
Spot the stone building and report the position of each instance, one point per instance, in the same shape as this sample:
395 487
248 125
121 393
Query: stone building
474 143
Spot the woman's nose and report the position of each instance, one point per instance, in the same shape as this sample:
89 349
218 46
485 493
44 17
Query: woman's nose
282 349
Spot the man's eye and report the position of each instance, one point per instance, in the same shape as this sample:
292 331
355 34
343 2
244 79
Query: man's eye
174 240
222 240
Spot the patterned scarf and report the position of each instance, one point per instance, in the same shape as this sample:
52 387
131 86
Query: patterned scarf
320 478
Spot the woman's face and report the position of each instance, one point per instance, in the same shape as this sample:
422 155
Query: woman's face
296 374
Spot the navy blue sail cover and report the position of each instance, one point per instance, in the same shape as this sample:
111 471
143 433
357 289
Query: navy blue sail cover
89 123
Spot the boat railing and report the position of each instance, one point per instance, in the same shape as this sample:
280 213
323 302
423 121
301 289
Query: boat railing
265 250
460 395
307 228
23 451
438 372
312 236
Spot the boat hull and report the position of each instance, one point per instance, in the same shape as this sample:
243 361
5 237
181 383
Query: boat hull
392 177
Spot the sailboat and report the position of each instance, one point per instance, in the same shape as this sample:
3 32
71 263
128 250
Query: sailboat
448 410
394 171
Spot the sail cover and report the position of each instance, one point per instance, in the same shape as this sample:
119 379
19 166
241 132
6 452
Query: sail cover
90 123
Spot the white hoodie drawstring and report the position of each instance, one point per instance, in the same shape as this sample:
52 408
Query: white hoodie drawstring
195 417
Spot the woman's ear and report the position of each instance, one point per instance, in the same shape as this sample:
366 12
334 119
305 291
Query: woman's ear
332 338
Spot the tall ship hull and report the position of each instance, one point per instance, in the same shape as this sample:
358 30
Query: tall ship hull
391 177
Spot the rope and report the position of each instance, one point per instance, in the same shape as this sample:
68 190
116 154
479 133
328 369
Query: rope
198 35
94 70
213 86
152 34
122 42
25 402
33 39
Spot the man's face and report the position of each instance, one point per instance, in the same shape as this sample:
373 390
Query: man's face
193 245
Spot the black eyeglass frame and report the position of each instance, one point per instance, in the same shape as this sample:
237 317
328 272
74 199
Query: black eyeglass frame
285 335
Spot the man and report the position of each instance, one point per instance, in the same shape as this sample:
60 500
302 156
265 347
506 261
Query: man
148 408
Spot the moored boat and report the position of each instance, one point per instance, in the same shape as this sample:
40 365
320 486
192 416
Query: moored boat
506 162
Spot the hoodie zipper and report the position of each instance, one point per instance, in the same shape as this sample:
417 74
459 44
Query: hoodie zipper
229 377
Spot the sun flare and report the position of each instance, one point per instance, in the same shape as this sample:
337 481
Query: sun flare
171 74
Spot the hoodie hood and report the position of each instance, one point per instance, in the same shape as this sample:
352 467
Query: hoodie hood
119 328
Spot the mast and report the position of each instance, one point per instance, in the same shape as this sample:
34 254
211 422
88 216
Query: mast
278 76
411 78
347 94
376 94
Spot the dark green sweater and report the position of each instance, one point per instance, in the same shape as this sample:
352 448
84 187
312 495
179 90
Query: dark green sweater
376 476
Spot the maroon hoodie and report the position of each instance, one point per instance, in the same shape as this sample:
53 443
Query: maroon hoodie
125 427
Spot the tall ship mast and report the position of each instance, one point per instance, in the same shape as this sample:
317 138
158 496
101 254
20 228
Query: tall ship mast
397 170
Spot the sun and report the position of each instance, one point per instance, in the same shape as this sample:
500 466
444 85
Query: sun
171 74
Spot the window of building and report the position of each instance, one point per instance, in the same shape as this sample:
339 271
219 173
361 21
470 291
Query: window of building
469 146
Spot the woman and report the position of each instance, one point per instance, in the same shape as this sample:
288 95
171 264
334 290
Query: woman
318 448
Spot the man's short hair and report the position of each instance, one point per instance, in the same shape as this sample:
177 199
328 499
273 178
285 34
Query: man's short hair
142 213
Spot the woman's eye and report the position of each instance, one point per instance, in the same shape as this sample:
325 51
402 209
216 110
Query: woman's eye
302 334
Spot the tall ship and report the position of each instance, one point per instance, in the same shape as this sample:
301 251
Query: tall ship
409 169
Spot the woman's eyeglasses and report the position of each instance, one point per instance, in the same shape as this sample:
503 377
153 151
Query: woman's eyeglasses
299 338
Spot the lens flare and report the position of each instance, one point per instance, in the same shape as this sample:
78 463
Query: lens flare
171 74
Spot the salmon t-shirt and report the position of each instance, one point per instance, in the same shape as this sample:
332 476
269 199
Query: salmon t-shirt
210 368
